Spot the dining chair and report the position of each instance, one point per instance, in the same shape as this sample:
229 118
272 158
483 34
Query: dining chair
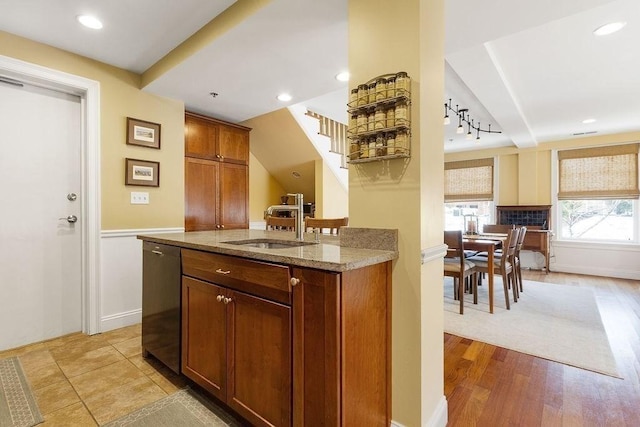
281 223
458 267
516 260
501 265
332 224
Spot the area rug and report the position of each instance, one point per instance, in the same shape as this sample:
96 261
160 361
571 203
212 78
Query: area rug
555 322
185 408
17 406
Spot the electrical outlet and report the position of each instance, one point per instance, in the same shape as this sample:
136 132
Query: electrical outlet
139 198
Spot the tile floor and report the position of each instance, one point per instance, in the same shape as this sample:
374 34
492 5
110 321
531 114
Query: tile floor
81 380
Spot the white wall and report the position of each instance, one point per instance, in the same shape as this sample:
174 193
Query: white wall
597 259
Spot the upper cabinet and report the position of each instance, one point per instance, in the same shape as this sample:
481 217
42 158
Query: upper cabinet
208 138
216 174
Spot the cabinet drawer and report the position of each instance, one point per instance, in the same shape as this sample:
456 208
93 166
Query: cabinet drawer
254 277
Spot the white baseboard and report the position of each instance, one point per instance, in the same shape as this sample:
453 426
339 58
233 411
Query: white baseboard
595 271
440 416
120 320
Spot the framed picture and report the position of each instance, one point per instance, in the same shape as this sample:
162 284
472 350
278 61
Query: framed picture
145 134
142 172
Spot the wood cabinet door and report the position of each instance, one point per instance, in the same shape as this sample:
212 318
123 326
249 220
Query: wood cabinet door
201 194
204 335
200 138
233 145
316 348
259 360
233 187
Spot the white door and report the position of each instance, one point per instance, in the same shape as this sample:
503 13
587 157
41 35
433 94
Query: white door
40 254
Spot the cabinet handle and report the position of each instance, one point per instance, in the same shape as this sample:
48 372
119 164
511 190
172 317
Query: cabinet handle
217 156
157 252
221 271
226 300
221 157
222 226
219 298
294 281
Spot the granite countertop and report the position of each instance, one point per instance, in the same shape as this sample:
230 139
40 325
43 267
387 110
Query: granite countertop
354 248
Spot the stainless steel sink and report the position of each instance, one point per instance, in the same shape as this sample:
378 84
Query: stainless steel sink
269 243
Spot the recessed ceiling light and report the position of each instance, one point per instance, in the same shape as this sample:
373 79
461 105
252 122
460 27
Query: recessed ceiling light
587 121
90 21
609 28
343 76
284 97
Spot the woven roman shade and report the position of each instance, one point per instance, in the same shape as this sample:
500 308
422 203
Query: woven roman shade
599 173
468 180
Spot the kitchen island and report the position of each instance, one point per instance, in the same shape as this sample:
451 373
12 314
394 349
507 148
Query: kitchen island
293 335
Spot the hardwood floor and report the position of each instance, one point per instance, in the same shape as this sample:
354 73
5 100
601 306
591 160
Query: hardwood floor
487 385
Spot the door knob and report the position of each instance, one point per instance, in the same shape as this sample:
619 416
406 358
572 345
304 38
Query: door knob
71 219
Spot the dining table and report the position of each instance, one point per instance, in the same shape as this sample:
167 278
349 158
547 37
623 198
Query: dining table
487 242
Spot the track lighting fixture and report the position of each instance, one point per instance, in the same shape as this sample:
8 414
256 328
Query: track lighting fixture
463 116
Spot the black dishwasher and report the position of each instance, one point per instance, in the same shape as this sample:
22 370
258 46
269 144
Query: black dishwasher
161 303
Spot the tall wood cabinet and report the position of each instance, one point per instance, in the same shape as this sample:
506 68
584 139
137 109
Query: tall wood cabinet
216 174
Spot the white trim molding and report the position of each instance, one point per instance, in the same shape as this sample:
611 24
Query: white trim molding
433 253
135 232
89 93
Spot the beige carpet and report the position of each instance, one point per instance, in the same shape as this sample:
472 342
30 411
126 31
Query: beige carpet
185 408
17 406
556 322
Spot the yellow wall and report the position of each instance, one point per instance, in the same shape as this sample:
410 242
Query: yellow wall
264 190
407 194
120 98
524 176
332 199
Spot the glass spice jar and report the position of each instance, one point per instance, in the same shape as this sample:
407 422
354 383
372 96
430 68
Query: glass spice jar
371 121
391 87
372 92
391 143
372 147
364 148
401 113
381 149
353 97
363 95
353 124
380 118
402 142
354 150
391 117
381 89
361 122
402 84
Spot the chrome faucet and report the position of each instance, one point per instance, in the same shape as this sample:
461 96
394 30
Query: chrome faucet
298 209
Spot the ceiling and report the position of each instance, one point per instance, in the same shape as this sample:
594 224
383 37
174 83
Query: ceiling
534 70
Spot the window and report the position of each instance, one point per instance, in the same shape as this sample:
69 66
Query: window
468 190
598 193
454 214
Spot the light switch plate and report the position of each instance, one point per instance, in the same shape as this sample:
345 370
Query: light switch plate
139 198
